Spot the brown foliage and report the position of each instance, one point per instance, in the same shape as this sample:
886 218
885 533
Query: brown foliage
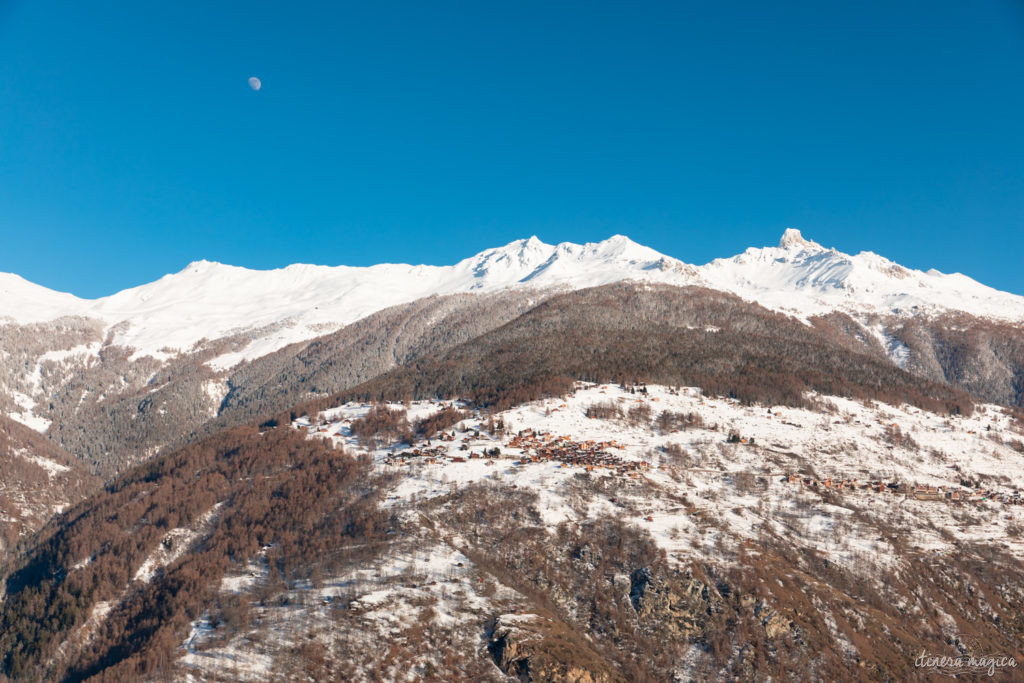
382 426
447 417
625 334
299 497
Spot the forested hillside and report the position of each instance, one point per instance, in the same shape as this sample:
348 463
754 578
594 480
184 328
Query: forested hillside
646 541
111 584
37 480
667 335
111 407
113 410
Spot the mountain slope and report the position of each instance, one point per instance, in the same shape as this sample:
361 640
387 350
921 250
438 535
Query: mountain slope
110 584
616 533
211 300
37 480
25 302
186 399
668 335
800 276
119 378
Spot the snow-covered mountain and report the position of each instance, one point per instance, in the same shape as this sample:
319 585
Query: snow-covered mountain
802 277
210 300
743 464
26 302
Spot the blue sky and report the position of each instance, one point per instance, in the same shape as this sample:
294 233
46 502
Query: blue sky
131 144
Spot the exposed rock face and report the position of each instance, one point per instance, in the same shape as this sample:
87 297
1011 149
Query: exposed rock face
775 625
532 647
681 610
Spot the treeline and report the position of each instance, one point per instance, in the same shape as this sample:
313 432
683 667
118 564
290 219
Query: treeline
665 335
277 489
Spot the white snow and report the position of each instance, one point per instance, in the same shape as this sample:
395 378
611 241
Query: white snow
207 300
81 351
26 302
215 391
847 444
897 351
52 468
712 504
803 278
26 416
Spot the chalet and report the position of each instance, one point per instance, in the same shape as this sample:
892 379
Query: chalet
927 493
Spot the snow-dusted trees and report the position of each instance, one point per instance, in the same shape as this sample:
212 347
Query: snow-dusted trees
667 335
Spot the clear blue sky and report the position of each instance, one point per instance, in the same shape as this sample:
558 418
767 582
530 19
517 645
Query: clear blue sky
131 144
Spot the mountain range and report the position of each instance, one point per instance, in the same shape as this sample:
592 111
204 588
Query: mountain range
545 462
208 300
114 380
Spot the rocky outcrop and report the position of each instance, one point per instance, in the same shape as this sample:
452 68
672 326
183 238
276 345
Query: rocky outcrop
531 647
775 625
681 609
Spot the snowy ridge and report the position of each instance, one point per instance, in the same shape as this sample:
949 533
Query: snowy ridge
802 277
26 302
210 300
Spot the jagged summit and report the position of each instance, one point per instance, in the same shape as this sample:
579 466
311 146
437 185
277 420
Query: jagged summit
792 239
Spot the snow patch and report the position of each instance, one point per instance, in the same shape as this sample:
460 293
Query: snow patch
174 545
52 468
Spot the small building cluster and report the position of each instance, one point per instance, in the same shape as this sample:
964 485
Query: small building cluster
534 447
590 455
432 455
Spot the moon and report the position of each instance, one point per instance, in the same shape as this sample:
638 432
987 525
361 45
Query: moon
255 83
